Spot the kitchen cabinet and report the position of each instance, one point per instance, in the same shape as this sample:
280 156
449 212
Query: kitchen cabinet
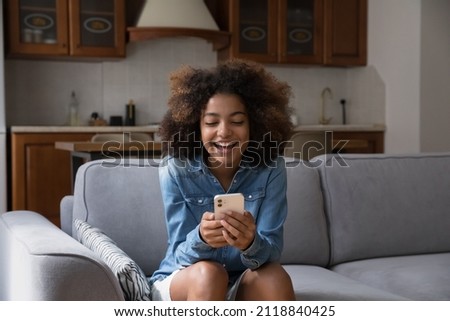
66 28
309 141
41 174
358 142
319 32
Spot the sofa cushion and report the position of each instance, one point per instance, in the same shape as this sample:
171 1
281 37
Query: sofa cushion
124 195
381 205
417 277
131 278
305 230
314 283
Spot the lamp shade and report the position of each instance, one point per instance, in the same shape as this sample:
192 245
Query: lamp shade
176 14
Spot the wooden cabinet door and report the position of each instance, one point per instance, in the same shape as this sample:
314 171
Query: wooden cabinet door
37 27
346 32
301 31
45 188
358 142
41 175
52 28
97 28
253 24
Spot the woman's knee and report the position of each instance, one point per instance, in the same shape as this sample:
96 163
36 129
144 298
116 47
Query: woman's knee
275 270
209 270
204 280
269 282
211 281
272 273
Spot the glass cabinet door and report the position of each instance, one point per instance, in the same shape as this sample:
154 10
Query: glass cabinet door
301 31
38 26
256 29
97 28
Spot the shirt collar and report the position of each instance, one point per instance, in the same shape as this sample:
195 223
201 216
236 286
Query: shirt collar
197 164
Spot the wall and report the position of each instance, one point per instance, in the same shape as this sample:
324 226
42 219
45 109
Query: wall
38 91
409 46
435 76
394 51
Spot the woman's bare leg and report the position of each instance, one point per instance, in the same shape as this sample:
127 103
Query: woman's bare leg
202 281
268 283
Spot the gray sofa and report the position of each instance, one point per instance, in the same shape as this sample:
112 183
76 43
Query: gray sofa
360 227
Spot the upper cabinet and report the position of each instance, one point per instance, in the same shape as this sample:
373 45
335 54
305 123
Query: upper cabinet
58 28
345 39
321 32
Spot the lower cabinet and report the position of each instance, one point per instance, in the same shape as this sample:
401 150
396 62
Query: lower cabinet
358 142
41 174
309 144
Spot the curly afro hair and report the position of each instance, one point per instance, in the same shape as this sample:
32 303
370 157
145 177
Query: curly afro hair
265 98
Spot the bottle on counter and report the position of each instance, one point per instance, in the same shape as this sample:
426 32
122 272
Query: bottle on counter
73 110
130 116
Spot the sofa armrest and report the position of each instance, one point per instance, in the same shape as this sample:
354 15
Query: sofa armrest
66 213
38 261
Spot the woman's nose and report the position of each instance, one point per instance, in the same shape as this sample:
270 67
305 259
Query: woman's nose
224 130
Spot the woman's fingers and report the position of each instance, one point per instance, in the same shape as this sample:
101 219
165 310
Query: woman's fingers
239 229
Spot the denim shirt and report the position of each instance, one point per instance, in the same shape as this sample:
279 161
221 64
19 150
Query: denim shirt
188 190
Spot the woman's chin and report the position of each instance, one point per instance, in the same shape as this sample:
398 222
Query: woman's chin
223 160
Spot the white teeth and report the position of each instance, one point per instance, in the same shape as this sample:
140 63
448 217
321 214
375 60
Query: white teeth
224 144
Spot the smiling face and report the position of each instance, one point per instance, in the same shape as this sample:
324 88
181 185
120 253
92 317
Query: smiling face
225 130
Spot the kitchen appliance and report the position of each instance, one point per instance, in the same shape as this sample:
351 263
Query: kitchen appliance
2 122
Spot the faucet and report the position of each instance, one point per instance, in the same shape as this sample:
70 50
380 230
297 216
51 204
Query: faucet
322 119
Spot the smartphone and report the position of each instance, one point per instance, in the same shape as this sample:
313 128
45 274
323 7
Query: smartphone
226 202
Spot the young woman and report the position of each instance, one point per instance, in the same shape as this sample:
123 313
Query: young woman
225 129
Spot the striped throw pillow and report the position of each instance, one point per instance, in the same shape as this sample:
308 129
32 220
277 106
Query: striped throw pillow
131 277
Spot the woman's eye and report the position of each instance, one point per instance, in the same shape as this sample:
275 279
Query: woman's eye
231 122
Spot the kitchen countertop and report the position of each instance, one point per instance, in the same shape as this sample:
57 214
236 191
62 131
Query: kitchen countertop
154 128
115 146
84 129
341 128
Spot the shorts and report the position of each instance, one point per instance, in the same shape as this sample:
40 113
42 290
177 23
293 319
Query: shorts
161 288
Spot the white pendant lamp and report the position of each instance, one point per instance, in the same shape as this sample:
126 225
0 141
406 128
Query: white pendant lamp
176 14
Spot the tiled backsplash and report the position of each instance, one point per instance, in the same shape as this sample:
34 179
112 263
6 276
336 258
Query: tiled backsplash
38 92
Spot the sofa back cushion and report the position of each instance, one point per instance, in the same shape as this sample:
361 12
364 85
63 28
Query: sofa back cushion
386 205
124 200
305 231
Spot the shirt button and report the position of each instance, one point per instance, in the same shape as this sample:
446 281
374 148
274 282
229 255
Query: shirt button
249 196
200 201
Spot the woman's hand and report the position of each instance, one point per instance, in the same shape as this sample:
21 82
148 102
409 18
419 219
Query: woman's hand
238 229
211 231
